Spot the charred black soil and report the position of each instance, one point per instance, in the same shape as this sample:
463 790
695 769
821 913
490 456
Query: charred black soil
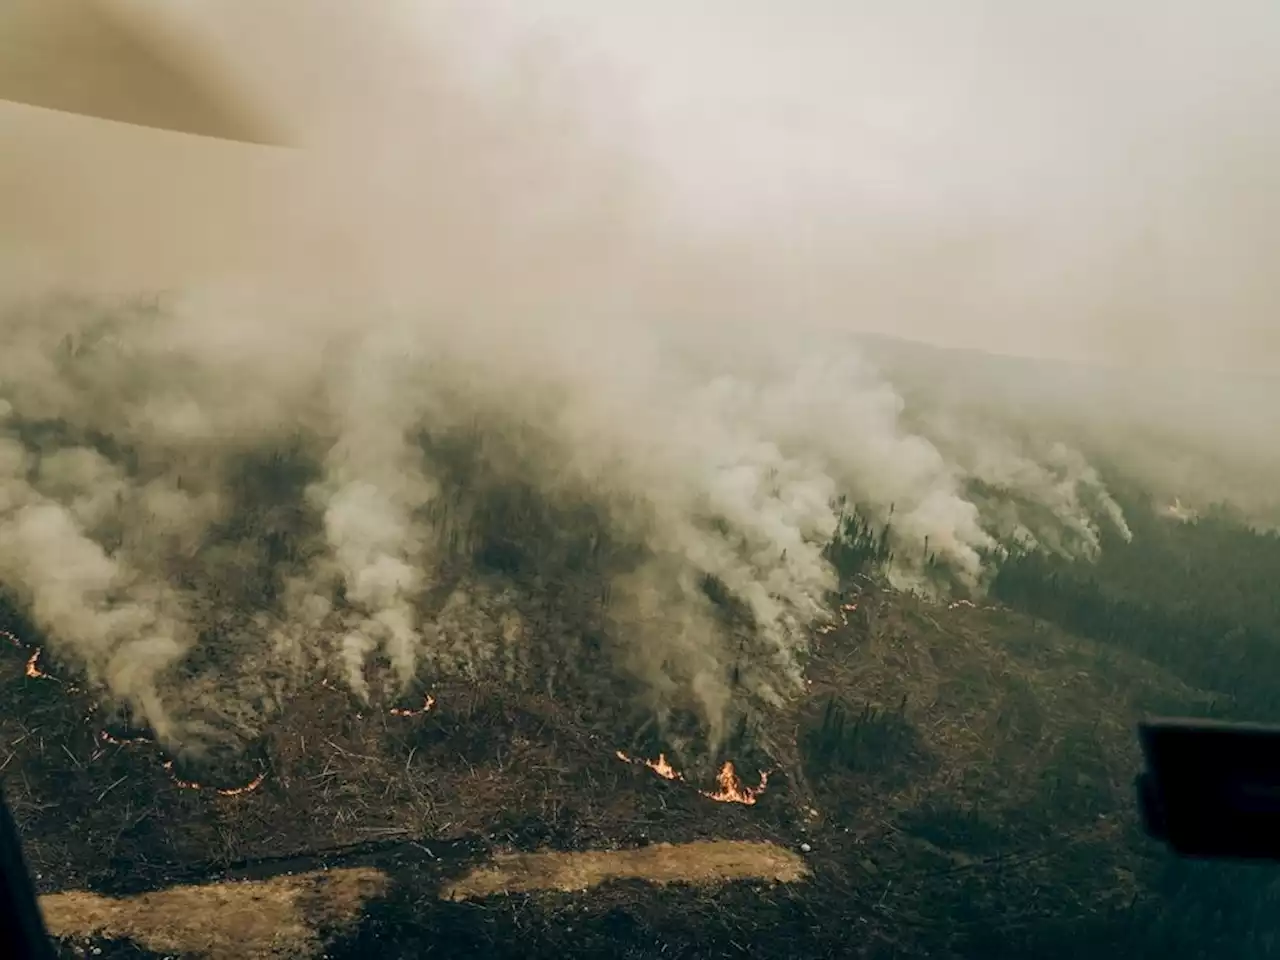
961 786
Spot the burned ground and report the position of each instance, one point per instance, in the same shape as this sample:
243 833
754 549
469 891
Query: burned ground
959 784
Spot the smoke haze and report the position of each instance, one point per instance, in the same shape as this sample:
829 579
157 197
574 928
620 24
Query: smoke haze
466 387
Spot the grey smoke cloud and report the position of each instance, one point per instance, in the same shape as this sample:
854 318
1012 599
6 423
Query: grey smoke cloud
1091 180
460 391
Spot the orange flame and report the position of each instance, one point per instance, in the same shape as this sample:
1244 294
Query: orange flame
33 668
663 769
660 766
732 789
35 673
33 661
427 704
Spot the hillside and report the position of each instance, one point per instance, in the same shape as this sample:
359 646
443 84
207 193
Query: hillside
470 525
949 779
957 783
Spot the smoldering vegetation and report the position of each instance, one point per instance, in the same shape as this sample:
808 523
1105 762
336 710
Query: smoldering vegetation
1200 438
201 537
459 401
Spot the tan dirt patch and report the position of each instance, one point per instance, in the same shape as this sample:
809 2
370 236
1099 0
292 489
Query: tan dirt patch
703 862
247 920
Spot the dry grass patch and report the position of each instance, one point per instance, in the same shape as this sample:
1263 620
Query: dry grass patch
703 862
277 918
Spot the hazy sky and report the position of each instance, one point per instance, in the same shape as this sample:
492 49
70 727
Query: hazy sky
1103 177
1086 178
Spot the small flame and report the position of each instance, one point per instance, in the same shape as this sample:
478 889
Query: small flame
33 668
663 769
732 789
660 766
33 661
35 673
427 704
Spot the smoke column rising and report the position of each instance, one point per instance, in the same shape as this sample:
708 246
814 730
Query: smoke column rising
450 393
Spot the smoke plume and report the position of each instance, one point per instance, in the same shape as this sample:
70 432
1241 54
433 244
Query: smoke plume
451 394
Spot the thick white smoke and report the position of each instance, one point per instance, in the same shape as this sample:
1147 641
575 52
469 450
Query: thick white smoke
154 518
464 405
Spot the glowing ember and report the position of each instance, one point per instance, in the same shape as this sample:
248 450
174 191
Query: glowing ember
844 612
968 604
249 787
105 737
33 670
184 784
732 789
427 704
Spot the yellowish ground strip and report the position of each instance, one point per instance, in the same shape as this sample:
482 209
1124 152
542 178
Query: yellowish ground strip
702 862
279 918
274 918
